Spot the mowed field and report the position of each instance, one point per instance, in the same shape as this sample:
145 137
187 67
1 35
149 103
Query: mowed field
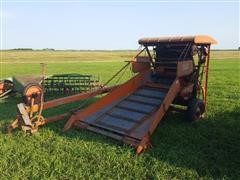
208 149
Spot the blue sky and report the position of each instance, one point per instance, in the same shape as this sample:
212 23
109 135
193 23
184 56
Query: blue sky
114 25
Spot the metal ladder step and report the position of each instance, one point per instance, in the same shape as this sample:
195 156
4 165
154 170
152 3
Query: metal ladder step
150 100
138 106
140 102
151 92
127 113
147 96
121 117
131 109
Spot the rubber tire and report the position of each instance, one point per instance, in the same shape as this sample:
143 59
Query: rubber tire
195 109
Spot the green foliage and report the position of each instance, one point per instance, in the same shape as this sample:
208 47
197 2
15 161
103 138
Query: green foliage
206 149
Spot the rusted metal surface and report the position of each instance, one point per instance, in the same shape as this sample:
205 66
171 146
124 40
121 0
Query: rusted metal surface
77 97
6 87
140 66
184 68
200 39
30 115
20 82
130 113
120 92
59 83
206 76
157 117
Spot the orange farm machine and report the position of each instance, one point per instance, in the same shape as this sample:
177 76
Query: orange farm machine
170 73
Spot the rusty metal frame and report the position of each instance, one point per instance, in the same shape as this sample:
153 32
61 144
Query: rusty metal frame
157 117
36 108
149 120
205 85
127 88
78 119
203 78
77 97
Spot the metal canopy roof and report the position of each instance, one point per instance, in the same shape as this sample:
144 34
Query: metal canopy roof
199 39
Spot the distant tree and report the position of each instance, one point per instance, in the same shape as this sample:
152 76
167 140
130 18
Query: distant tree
48 49
23 49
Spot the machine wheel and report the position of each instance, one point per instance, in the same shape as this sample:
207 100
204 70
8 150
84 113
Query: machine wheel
195 109
32 90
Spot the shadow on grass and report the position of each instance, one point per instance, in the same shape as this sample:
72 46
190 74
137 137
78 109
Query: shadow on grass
8 109
210 147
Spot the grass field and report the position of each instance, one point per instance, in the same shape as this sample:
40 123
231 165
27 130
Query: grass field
209 149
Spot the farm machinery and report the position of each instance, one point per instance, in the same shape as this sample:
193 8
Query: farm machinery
171 73
57 83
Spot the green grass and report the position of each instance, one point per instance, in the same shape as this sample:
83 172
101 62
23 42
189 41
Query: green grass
206 149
